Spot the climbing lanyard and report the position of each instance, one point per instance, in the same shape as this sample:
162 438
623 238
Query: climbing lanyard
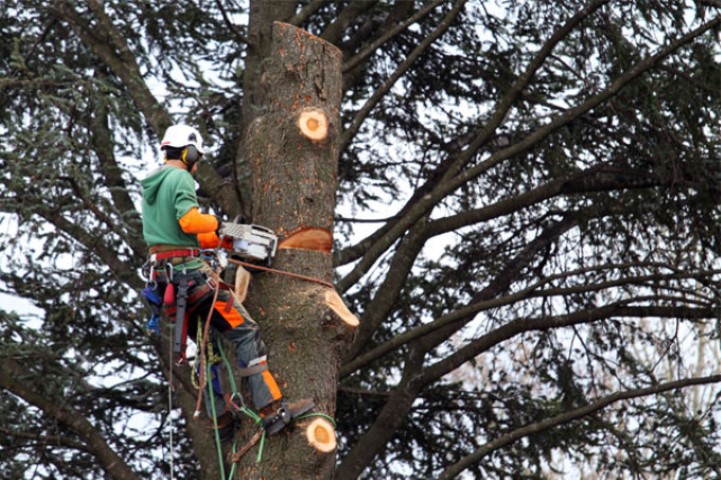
170 411
282 272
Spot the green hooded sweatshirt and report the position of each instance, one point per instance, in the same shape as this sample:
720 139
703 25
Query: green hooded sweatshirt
168 194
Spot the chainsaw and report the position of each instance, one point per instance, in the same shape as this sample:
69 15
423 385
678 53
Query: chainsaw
251 242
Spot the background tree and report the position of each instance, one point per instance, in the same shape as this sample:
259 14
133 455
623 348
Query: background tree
526 225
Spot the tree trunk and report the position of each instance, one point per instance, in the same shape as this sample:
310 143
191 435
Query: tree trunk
294 183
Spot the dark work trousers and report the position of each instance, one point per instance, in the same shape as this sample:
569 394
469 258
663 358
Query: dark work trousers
230 320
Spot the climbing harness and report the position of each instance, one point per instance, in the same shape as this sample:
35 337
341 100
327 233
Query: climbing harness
255 243
160 266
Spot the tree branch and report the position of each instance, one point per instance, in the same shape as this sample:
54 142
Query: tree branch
48 440
124 64
334 32
94 244
306 12
569 416
523 325
242 39
427 202
102 142
390 33
401 400
111 463
533 291
501 110
452 167
384 300
380 92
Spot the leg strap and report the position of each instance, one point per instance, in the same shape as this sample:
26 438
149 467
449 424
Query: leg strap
254 370
181 324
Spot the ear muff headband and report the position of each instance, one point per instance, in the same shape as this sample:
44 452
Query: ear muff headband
190 155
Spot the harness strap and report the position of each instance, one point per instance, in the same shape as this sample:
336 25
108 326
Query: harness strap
197 295
191 252
255 369
181 324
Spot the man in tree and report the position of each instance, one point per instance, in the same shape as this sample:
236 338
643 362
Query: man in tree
176 231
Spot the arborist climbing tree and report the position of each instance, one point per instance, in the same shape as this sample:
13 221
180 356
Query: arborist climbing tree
309 325
183 278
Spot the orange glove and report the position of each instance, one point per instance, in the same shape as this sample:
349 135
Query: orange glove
208 240
196 222
211 240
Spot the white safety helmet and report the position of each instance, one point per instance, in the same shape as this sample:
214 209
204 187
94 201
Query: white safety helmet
180 136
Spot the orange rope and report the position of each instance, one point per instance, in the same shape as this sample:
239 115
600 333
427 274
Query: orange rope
283 272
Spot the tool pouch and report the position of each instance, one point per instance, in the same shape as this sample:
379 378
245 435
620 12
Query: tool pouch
155 302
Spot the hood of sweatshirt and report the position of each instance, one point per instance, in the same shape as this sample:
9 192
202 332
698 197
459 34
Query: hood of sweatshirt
151 183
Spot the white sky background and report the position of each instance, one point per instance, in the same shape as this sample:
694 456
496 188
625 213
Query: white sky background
12 303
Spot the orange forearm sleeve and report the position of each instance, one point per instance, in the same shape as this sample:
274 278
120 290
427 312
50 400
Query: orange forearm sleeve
196 222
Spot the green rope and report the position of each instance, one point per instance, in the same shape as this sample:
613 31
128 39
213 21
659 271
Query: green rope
250 413
232 469
231 378
318 414
243 409
211 399
259 457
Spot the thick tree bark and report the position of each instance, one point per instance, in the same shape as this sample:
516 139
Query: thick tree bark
294 184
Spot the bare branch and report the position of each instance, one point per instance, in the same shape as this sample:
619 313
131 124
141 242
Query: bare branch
237 33
333 33
54 440
389 34
306 12
380 92
569 416
113 465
